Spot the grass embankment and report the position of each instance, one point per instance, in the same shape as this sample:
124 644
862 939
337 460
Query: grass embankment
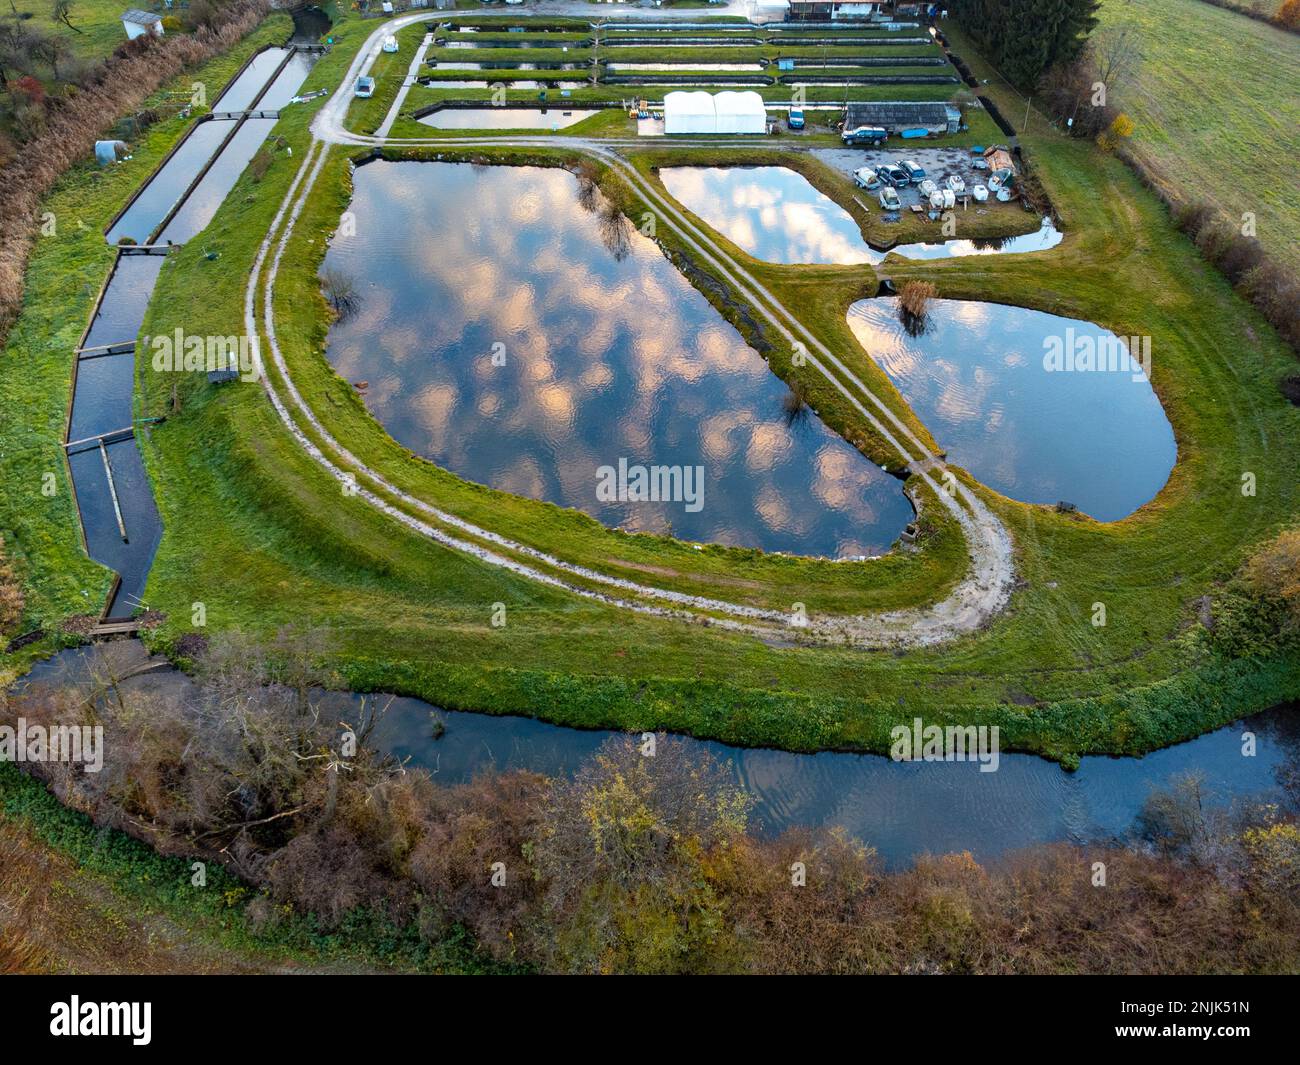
1216 107
63 281
264 538
389 71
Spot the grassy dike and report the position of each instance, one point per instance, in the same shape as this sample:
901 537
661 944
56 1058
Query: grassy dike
259 534
64 276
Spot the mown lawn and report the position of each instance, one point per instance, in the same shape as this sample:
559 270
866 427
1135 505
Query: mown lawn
1215 98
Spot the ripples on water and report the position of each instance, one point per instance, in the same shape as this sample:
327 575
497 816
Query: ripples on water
607 356
976 378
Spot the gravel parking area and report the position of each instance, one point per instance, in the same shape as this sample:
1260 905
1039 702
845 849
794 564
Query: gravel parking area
937 163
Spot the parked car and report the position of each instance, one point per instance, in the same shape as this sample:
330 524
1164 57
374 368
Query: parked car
390 43
795 119
1000 178
895 175
980 193
864 135
866 178
889 199
913 170
365 87
928 188
955 183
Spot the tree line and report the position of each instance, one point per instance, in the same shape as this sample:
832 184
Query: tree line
1025 38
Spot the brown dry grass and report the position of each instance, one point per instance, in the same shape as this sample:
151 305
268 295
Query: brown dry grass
915 296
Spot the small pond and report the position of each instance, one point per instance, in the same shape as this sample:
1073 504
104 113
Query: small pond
603 352
986 380
166 187
668 67
772 212
504 117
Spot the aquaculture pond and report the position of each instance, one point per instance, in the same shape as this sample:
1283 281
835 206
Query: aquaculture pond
201 205
158 197
524 340
1046 236
503 117
777 215
903 809
241 93
119 519
526 83
1040 408
772 212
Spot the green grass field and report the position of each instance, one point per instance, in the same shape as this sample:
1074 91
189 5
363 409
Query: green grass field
98 23
261 535
1216 101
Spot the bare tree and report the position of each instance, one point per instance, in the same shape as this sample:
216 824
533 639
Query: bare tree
62 12
615 231
1117 54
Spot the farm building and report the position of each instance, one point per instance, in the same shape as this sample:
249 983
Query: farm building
832 10
137 23
728 112
897 116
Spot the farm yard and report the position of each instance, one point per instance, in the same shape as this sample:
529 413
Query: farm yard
543 424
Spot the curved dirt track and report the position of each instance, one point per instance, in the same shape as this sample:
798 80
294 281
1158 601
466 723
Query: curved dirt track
978 597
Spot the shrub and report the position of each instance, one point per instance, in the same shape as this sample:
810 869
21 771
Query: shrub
11 595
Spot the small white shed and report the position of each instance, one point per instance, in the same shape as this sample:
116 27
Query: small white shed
137 23
740 112
689 112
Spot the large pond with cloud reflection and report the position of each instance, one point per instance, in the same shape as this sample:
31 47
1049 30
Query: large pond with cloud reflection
523 336
776 215
1040 408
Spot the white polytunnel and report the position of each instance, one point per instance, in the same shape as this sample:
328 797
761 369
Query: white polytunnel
740 112
689 112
